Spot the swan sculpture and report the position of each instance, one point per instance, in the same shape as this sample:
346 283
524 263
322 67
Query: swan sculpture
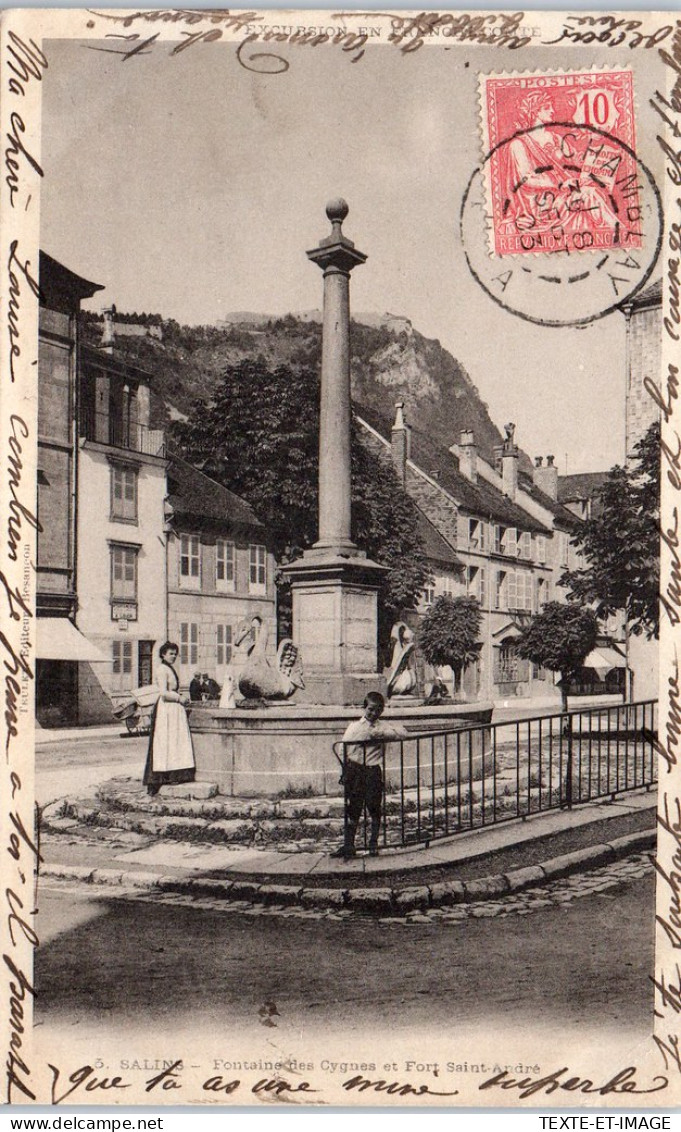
257 678
401 676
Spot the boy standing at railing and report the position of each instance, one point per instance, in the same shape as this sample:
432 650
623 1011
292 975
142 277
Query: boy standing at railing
363 772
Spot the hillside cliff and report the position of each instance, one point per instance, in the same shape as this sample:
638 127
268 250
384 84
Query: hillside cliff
391 361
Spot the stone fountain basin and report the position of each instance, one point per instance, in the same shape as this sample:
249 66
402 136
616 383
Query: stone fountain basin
286 750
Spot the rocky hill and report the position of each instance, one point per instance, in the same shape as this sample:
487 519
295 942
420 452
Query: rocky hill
391 361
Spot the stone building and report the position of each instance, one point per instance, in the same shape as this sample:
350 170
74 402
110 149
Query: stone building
219 573
133 548
580 493
121 554
61 649
643 316
510 535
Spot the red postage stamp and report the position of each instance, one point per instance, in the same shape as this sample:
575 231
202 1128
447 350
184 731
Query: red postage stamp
561 164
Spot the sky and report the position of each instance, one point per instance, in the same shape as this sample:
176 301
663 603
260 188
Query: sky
191 187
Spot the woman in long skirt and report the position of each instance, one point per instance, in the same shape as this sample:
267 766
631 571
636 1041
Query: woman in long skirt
170 758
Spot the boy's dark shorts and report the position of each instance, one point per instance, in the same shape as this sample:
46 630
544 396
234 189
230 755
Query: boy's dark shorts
364 784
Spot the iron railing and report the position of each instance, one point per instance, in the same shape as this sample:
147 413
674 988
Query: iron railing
440 783
118 432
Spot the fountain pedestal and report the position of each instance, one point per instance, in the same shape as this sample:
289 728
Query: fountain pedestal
334 624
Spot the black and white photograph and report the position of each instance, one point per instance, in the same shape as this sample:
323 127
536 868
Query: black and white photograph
340 557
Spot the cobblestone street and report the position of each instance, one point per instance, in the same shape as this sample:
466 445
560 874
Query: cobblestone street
558 957
602 882
118 945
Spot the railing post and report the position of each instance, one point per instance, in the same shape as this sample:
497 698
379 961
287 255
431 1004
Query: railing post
344 780
568 767
365 813
384 799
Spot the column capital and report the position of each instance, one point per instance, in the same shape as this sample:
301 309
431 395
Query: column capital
336 251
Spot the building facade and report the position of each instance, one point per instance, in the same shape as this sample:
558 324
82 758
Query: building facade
510 536
644 357
220 574
133 548
121 552
62 652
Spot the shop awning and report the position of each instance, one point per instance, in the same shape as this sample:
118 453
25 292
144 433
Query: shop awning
604 659
58 639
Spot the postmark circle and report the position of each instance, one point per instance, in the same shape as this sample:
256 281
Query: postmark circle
561 224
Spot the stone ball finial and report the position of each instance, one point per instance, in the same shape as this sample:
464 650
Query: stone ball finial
337 209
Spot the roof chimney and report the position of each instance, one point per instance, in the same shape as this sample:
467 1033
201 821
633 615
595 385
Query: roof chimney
509 463
400 442
546 477
108 333
468 455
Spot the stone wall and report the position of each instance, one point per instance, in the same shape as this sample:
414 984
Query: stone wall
644 331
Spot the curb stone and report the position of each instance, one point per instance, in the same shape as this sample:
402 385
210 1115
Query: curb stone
107 876
139 879
371 899
220 889
241 889
323 897
486 888
448 892
280 894
639 841
411 899
517 879
70 872
593 855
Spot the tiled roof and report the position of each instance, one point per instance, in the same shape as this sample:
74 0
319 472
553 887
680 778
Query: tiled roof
578 487
479 499
196 497
61 288
561 513
650 296
435 546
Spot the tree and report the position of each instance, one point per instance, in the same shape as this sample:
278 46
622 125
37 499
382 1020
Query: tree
449 632
560 638
259 436
621 544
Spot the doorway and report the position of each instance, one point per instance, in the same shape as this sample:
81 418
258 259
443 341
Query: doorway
145 654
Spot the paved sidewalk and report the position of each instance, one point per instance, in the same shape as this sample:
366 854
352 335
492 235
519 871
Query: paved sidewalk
45 736
481 865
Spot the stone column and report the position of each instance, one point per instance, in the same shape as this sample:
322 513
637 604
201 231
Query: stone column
334 585
337 256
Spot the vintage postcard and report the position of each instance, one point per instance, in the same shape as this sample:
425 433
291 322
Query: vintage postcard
341 585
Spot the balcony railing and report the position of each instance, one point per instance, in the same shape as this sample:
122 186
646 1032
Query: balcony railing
105 429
